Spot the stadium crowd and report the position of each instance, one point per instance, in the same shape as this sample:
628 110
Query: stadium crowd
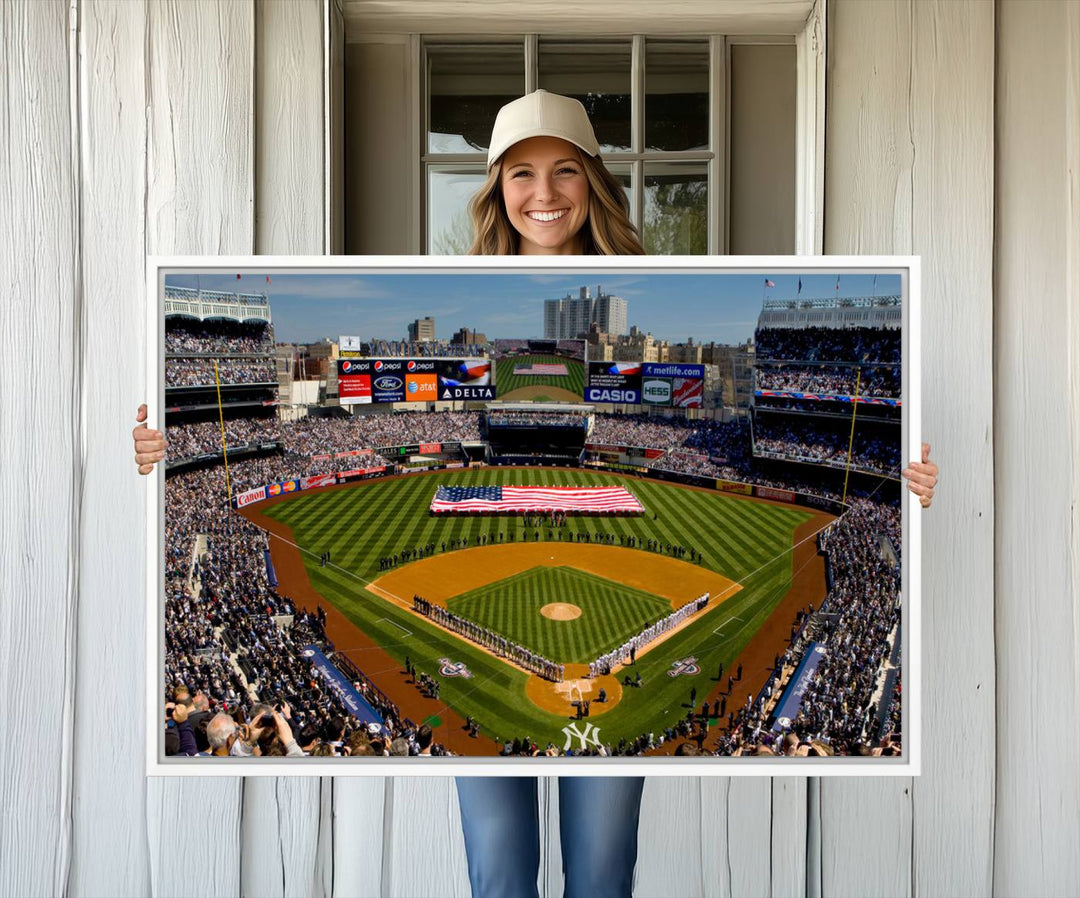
812 442
518 418
189 372
234 646
317 436
425 349
190 440
183 337
829 344
859 620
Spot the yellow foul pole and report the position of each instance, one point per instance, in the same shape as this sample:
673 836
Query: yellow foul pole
221 420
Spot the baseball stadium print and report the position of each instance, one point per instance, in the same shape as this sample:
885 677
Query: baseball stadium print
600 516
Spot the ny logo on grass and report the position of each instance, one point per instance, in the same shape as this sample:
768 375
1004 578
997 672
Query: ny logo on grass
590 734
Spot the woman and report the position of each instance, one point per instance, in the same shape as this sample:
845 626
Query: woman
548 193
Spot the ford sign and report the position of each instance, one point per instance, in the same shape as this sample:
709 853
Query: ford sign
387 383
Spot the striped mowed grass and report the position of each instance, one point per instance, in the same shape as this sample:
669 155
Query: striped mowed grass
746 541
506 382
610 613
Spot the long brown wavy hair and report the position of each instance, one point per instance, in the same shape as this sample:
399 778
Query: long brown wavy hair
607 231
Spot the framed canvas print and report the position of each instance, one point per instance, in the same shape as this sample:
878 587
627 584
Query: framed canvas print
505 516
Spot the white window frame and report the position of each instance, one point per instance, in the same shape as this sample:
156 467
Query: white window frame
809 43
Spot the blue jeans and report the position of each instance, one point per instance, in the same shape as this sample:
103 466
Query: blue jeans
598 821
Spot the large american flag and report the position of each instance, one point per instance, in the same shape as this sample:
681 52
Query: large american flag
525 499
548 369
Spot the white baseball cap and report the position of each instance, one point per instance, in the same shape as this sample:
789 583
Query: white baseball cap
541 114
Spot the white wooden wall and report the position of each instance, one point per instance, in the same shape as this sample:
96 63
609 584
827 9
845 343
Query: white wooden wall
953 132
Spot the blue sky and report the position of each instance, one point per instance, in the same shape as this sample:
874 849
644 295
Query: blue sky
718 306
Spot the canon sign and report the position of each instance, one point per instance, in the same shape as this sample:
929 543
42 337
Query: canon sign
656 391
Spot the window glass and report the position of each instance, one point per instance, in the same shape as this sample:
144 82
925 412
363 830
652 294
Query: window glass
676 208
676 95
597 74
449 190
467 85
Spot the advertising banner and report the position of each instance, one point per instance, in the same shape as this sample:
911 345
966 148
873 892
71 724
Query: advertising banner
421 388
282 488
353 701
768 492
656 391
672 369
829 397
791 701
730 486
349 346
614 382
310 483
250 496
360 472
354 381
388 380
465 379
430 448
687 392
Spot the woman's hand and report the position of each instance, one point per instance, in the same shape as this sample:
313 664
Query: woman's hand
149 444
922 477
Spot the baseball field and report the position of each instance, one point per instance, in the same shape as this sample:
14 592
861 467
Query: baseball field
569 387
549 590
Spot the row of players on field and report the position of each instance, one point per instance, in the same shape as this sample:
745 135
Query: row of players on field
537 663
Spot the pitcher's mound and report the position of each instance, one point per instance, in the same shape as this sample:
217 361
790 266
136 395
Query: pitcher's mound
561 611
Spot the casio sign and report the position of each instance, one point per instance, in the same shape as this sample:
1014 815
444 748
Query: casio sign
388 383
598 394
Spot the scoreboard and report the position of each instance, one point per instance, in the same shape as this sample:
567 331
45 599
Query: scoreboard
658 384
372 381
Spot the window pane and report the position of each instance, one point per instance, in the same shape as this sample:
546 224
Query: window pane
676 209
676 95
597 74
467 85
449 191
623 174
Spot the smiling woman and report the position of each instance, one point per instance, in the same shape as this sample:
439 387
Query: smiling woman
547 190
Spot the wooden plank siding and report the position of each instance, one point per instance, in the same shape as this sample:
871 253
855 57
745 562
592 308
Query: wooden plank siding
909 169
177 127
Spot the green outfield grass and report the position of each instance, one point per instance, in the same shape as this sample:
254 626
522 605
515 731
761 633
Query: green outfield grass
610 613
506 382
746 541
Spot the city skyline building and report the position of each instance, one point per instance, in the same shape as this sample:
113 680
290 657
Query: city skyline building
422 330
570 317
